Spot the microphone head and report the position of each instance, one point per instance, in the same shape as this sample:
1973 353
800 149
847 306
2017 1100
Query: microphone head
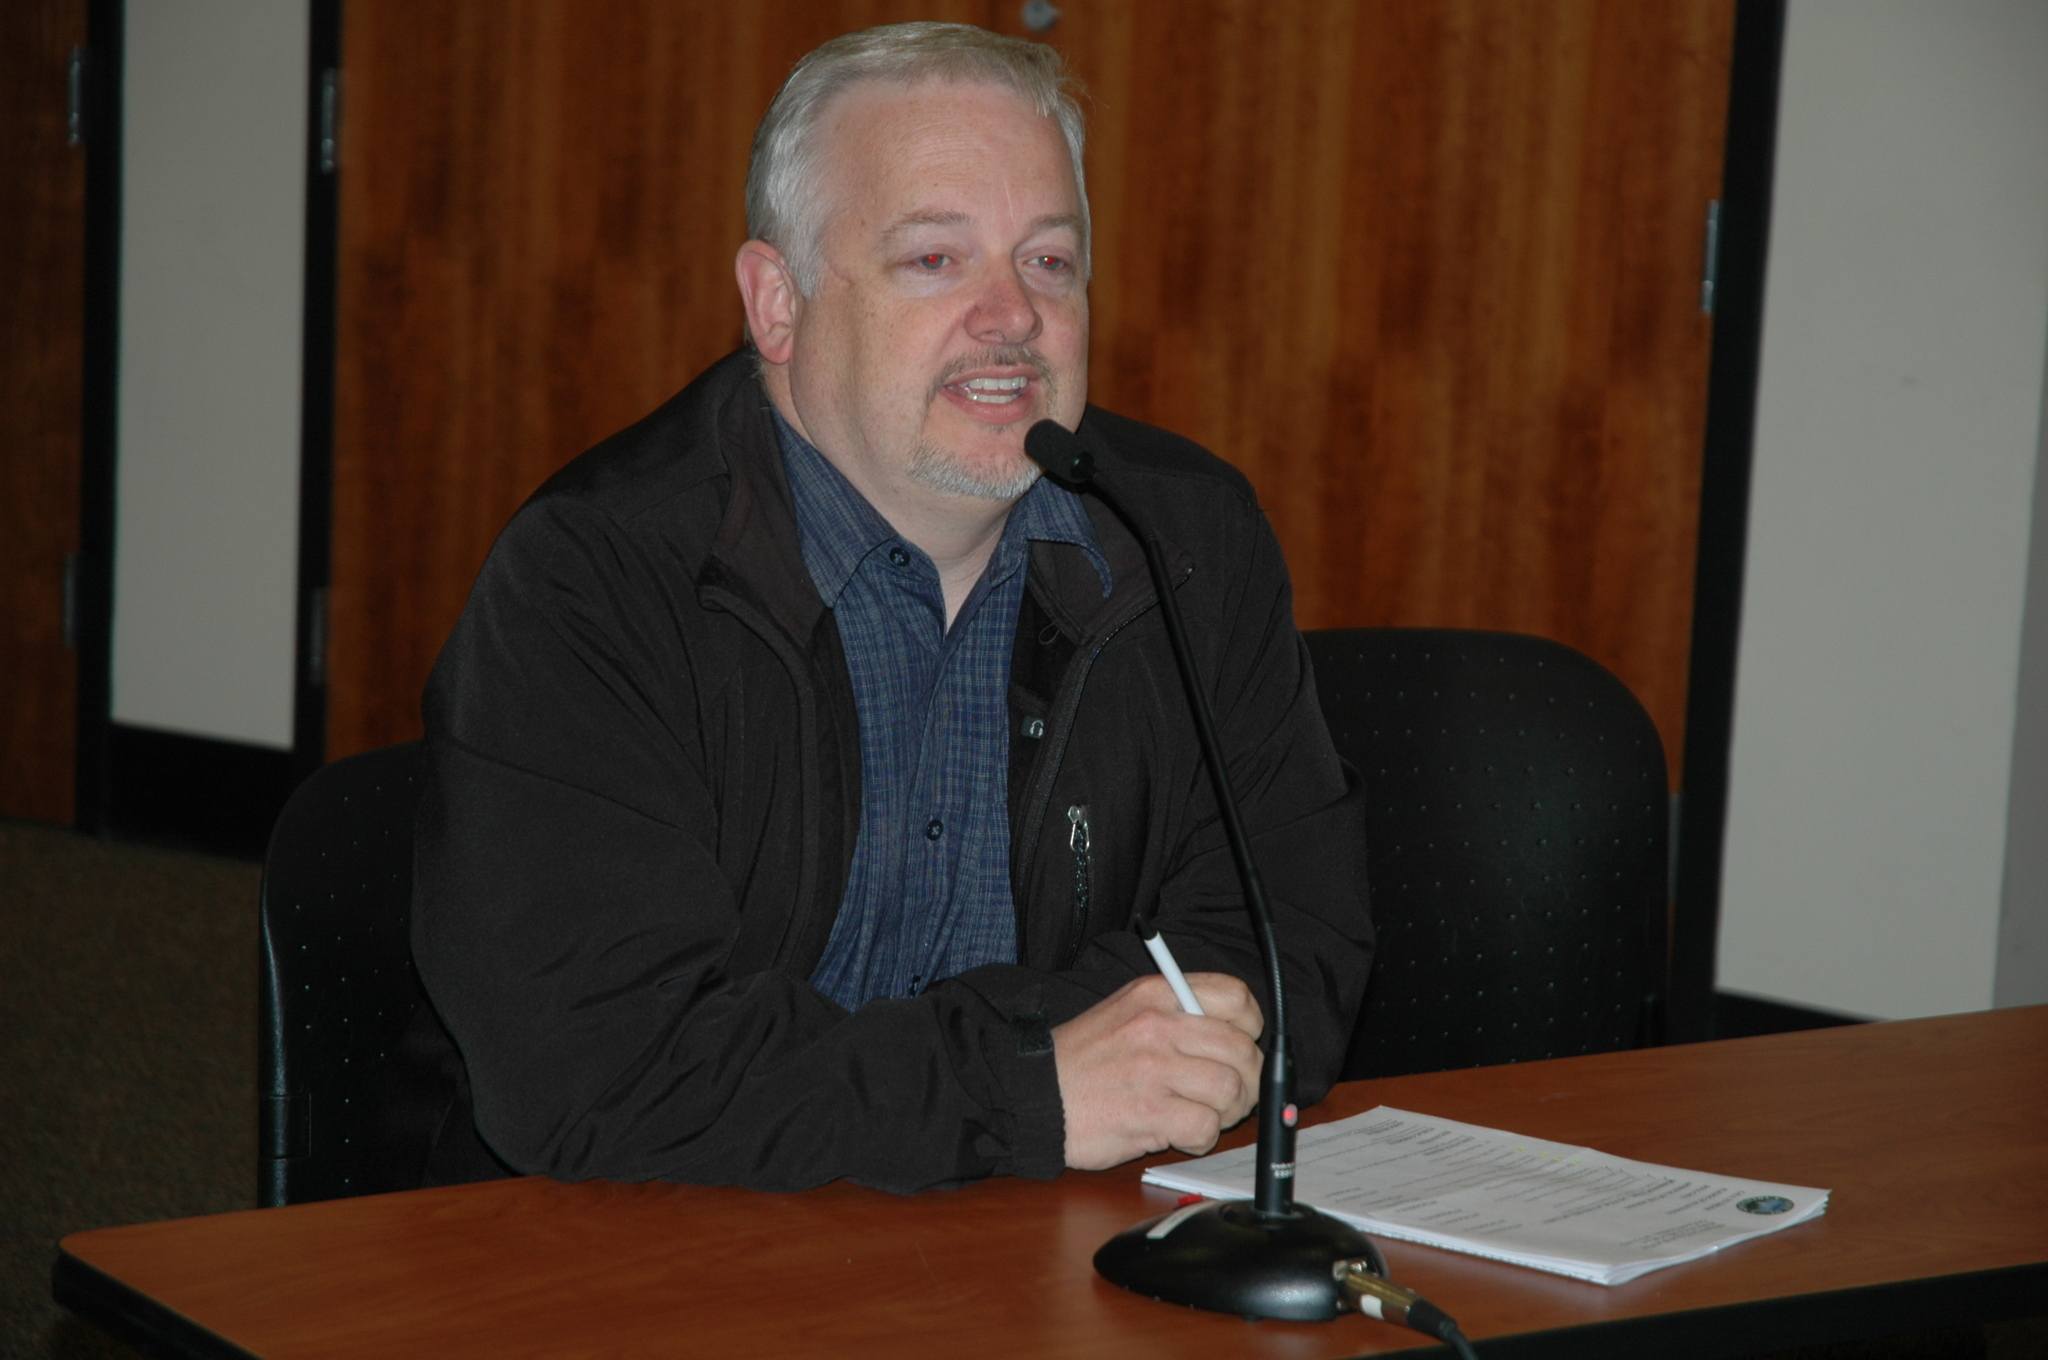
1053 447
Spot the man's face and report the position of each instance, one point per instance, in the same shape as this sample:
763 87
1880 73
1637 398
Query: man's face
950 312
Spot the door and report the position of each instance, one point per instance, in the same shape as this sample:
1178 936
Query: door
42 347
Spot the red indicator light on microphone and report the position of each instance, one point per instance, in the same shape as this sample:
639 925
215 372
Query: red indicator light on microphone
1289 1115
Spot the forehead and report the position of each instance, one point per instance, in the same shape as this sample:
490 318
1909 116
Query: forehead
940 146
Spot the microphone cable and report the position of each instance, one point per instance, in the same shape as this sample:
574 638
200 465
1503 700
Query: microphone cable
1377 1297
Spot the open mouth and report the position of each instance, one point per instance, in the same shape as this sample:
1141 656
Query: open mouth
992 391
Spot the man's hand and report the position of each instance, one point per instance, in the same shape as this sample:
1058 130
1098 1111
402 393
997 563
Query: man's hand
1138 1074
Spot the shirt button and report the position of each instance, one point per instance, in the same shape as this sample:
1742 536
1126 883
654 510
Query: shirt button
1034 728
934 829
898 557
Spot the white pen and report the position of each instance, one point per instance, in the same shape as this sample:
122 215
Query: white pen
1169 968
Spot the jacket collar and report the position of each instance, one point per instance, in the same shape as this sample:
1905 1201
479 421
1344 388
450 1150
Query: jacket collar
1071 592
756 552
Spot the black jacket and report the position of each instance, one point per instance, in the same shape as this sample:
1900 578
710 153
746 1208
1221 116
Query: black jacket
643 795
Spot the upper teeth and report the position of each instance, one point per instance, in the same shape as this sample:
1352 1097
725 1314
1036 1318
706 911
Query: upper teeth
993 389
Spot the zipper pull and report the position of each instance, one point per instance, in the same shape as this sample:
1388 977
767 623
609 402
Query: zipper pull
1077 841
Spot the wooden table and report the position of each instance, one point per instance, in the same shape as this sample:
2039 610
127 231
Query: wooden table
1932 1134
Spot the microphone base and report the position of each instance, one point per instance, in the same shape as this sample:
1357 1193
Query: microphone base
1227 1257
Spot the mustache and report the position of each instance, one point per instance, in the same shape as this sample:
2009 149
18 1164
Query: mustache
1007 356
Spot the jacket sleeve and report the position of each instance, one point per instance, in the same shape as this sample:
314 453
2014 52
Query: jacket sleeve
574 929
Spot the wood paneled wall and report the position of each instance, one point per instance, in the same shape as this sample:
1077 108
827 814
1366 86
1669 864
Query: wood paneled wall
1428 272
42 368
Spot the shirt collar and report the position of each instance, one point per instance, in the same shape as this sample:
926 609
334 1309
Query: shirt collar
837 528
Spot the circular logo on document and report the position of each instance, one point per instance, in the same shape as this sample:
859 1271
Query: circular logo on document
1764 1204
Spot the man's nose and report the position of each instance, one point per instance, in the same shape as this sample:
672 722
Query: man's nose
1004 313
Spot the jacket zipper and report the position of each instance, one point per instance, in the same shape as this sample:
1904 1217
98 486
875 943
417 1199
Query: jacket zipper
1078 840
1061 723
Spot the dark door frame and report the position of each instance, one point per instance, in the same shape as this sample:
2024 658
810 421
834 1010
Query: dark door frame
93 583
1749 154
316 442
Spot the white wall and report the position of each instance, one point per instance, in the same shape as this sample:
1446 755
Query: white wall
207 463
1898 433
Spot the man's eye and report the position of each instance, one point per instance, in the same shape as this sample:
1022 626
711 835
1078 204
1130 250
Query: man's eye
1053 264
932 263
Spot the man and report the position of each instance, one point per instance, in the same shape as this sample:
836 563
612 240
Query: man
801 758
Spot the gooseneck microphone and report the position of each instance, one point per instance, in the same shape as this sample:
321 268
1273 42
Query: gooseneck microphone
1268 1256
1053 448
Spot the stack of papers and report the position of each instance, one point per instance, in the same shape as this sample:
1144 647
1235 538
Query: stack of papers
1550 1206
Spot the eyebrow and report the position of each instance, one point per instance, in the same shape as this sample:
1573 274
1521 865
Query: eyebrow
933 217
1054 222
947 217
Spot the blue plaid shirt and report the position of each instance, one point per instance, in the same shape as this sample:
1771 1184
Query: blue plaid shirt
929 892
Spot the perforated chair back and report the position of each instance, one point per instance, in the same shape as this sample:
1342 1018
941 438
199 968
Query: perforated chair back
1515 846
341 1114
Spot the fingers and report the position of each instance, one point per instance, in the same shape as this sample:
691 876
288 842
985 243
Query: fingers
1138 1075
1189 1126
1225 998
1228 1086
1224 1040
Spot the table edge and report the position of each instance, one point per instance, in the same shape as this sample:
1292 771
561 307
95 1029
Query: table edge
131 1316
1770 1325
1754 1327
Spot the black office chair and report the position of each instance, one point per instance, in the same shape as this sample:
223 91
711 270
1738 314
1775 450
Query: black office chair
1515 847
1516 853
344 1110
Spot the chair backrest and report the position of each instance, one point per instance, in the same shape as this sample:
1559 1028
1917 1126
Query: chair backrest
1515 846
341 1113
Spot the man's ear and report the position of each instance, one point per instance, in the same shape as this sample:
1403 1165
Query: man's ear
768 291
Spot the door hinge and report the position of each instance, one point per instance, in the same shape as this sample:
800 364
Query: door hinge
316 638
1710 272
1677 825
330 120
70 605
74 85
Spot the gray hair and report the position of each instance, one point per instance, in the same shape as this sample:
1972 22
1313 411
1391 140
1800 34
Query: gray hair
785 205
